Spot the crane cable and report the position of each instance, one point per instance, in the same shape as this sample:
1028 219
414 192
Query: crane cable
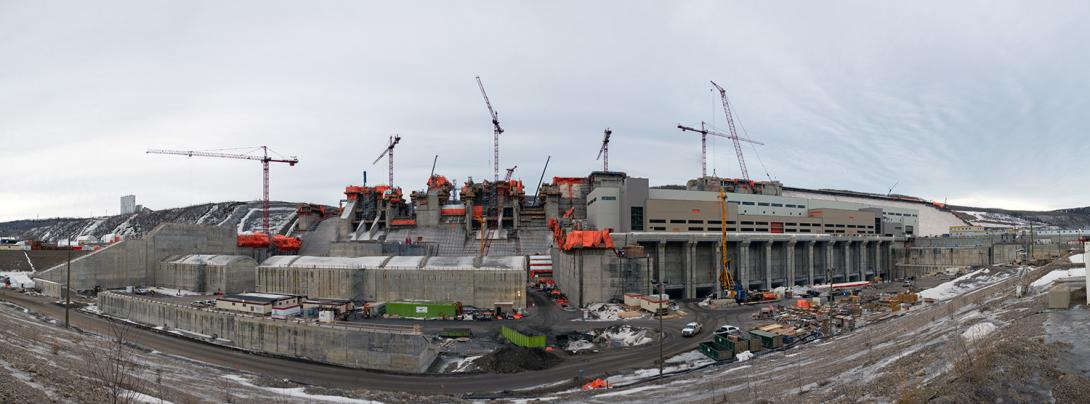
746 133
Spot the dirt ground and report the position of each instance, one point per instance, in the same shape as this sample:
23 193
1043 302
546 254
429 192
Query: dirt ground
984 346
43 362
511 359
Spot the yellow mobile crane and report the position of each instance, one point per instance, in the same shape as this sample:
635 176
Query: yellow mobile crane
732 289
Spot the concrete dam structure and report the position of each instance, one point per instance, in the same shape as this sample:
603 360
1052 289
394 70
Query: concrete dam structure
688 263
474 281
389 348
136 262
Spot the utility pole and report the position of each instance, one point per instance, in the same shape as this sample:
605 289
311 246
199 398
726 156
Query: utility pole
68 284
662 333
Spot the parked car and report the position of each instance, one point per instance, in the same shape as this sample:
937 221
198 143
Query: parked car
691 329
728 330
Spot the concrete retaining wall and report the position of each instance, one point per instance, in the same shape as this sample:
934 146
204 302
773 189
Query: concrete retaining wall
918 261
133 262
591 275
352 346
49 288
477 287
355 248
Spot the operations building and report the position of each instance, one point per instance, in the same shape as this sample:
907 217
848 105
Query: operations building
207 273
260 304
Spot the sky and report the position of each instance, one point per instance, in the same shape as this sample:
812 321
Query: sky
980 103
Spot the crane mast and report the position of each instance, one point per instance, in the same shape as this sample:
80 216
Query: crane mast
496 131
389 154
733 133
603 153
263 158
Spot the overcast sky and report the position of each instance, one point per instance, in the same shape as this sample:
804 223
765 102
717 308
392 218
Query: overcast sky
980 103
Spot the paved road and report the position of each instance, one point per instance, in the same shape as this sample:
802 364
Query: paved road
593 365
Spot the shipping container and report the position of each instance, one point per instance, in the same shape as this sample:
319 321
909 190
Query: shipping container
768 340
423 309
716 351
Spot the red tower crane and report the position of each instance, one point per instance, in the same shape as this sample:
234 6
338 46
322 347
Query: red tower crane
389 152
733 133
603 153
496 131
263 158
704 132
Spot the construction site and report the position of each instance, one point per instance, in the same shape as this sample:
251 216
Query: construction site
268 202
500 280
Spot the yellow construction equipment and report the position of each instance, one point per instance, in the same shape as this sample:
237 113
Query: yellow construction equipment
730 288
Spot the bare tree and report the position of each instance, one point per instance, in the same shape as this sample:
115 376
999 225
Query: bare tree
113 367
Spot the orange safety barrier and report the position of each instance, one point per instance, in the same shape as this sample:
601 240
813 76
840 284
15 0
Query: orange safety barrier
403 222
596 384
452 211
569 180
588 239
802 304
285 243
256 240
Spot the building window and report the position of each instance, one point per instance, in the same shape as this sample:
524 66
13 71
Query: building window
659 228
637 218
654 220
696 229
762 203
696 222
777 205
748 203
715 222
609 198
676 221
715 229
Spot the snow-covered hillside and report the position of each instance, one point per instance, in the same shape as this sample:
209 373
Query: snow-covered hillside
245 217
933 221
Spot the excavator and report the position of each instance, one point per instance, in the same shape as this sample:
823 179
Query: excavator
732 289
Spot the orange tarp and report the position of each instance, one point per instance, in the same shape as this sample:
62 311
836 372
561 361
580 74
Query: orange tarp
588 239
286 243
437 181
596 384
256 240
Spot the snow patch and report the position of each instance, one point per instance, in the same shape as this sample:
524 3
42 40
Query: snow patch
978 331
744 356
579 345
964 284
299 392
18 280
1056 275
173 292
1077 258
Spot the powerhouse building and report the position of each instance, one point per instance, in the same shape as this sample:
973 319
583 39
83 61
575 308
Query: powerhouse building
772 240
